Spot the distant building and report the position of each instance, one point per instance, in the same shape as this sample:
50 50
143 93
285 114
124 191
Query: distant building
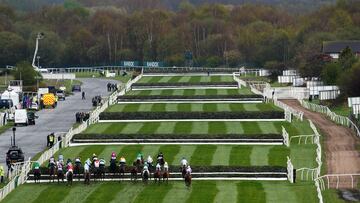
334 48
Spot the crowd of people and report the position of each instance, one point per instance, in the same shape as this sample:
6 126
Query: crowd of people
81 116
111 87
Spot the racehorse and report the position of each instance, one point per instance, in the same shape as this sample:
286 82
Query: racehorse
96 172
37 175
113 167
101 172
134 173
188 179
69 177
122 170
138 163
60 175
77 170
165 176
145 177
183 171
87 177
52 169
157 175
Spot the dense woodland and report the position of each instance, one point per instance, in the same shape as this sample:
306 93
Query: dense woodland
217 35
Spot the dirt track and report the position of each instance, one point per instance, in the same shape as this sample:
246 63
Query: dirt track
340 142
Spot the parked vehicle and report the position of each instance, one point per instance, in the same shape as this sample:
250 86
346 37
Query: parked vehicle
6 103
76 88
60 94
21 117
47 100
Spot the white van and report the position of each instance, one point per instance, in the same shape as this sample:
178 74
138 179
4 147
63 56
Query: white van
21 117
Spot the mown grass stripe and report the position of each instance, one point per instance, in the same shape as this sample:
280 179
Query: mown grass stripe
277 156
178 92
250 192
259 155
227 192
130 152
203 155
174 79
210 91
200 128
25 193
185 151
251 128
90 150
184 107
236 107
189 92
250 107
47 195
166 128
145 107
210 107
166 92
223 107
149 128
158 107
179 193
183 127
240 155
106 153
280 192
150 150
200 92
153 193
129 193
304 155
106 192
170 152
171 107
221 155
268 127
195 79
217 127
164 79
79 193
132 128
234 127
184 79
71 153
203 191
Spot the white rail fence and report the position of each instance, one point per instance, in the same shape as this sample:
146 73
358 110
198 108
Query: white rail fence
19 176
342 120
334 181
290 170
298 114
239 81
285 135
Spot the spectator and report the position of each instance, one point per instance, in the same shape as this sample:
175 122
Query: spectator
83 95
2 173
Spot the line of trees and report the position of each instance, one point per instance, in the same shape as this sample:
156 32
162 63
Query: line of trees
217 35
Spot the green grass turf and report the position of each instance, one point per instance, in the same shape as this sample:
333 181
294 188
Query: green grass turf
192 79
188 107
198 155
175 191
192 92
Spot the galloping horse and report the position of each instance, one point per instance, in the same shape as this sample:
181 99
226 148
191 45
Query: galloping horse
134 173
37 175
86 176
101 172
77 170
52 169
122 170
165 175
60 175
145 177
188 179
183 171
69 177
157 175
113 167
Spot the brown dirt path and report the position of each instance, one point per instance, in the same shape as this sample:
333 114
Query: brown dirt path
340 142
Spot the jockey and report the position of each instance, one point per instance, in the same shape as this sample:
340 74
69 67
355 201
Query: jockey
59 165
158 167
166 166
160 158
183 162
146 169
52 161
68 161
69 168
102 162
149 160
96 163
61 158
122 160
188 170
87 166
36 166
140 157
78 161
113 156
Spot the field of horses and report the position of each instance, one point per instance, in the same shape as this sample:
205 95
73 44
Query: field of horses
259 145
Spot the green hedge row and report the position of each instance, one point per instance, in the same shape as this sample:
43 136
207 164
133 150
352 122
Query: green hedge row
191 115
185 84
172 168
176 136
193 97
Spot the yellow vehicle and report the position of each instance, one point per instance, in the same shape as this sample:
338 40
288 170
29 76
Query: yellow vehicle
48 99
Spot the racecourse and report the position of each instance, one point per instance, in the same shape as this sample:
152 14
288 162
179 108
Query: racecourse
192 92
185 79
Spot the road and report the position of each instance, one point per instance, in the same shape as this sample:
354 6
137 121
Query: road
32 139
